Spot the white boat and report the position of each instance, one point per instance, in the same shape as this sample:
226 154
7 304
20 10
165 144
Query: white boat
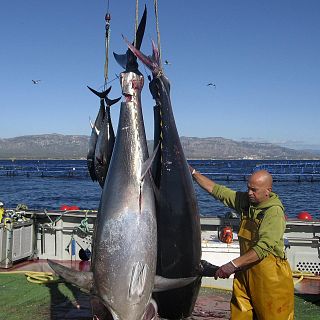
60 235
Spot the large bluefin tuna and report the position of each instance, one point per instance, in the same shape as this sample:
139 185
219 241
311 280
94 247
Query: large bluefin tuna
126 233
94 135
125 240
179 234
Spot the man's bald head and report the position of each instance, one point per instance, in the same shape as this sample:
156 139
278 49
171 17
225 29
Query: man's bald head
262 177
259 186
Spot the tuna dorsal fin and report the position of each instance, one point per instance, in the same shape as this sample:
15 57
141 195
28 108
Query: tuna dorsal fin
164 284
83 280
148 163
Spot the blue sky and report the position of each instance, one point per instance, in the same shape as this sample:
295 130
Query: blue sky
263 57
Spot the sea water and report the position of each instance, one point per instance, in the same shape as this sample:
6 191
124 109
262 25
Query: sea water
49 184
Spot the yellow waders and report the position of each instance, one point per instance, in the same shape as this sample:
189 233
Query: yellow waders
265 289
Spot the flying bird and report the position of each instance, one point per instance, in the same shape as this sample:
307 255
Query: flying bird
166 62
211 85
36 81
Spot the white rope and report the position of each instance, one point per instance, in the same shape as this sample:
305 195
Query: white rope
136 22
157 27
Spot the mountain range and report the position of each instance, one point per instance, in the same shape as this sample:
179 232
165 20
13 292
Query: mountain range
58 146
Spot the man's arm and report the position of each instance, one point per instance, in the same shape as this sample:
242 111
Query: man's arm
246 259
204 182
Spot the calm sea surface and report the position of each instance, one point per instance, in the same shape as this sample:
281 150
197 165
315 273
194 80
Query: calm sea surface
48 184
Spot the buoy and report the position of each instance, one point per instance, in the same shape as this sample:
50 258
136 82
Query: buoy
74 208
64 207
304 215
226 235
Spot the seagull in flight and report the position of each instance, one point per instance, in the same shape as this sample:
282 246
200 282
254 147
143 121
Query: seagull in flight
211 85
36 81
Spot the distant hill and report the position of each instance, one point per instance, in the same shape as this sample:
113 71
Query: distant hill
58 146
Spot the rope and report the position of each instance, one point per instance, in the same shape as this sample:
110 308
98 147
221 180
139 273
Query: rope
52 222
84 226
35 276
107 42
301 275
157 27
136 22
40 277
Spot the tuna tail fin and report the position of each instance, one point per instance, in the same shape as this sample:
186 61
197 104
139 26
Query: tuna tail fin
164 284
121 59
128 61
80 279
101 94
141 28
110 102
207 269
152 62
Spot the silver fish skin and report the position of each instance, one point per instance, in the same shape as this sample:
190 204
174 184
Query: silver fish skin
124 261
104 148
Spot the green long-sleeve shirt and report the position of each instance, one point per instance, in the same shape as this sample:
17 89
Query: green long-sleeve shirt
270 234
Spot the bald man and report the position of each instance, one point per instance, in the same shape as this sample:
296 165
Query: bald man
263 285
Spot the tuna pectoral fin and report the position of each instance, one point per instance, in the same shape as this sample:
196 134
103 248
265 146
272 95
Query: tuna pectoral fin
81 279
148 163
164 284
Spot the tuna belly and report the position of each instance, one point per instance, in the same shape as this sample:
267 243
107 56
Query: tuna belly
125 263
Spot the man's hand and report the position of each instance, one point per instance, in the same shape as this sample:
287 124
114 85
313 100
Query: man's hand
226 270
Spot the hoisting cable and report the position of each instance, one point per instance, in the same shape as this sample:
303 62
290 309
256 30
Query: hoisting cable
136 22
157 27
107 42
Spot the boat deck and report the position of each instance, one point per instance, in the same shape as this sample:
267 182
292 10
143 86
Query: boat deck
210 304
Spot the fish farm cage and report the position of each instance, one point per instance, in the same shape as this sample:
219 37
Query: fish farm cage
233 170
56 170
237 170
